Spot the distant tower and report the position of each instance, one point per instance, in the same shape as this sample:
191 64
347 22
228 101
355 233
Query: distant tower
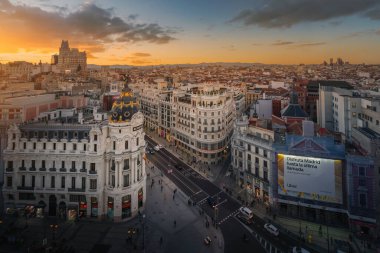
64 47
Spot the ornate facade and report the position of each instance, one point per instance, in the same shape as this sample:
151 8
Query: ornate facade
95 169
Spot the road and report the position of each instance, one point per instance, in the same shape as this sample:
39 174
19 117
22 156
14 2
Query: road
199 189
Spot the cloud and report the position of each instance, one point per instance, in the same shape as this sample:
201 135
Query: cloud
141 62
313 44
286 13
373 14
282 43
88 24
141 55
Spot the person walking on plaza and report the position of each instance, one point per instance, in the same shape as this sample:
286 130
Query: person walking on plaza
162 187
175 223
161 241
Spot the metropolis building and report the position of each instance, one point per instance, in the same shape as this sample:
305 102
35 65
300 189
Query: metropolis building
84 168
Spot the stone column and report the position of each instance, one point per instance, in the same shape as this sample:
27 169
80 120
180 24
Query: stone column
107 172
120 174
116 174
132 170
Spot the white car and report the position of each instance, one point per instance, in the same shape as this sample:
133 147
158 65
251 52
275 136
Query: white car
272 229
299 250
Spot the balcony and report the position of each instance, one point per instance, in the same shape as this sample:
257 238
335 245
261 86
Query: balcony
9 170
25 188
82 170
73 170
92 172
62 170
52 169
42 169
32 169
22 169
76 190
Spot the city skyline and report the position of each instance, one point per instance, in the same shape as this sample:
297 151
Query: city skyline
181 32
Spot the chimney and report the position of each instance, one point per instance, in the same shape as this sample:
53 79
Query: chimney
308 128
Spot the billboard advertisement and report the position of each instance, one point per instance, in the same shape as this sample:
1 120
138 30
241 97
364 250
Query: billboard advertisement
310 178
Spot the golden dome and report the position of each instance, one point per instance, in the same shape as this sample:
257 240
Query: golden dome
124 107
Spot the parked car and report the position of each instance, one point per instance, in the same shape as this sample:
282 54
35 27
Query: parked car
299 250
207 240
272 229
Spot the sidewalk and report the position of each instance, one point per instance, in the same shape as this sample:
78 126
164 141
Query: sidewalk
309 230
210 172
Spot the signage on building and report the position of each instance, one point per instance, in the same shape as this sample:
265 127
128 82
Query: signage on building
310 178
138 128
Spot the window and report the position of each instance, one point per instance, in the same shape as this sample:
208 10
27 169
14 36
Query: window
73 182
126 164
64 146
33 181
83 165
74 146
23 163
83 183
361 182
126 180
93 184
265 153
249 157
249 147
73 165
265 175
34 145
54 146
92 167
84 147
256 150
95 137
43 181
9 181
95 148
362 171
63 164
33 163
44 145
52 182
265 164
363 200
43 164
137 141
10 164
126 145
63 181
114 145
257 171
113 180
24 145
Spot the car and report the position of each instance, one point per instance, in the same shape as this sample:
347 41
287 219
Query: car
178 167
157 148
207 240
272 229
245 211
245 219
299 250
211 201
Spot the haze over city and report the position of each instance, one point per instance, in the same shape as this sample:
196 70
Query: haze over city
155 32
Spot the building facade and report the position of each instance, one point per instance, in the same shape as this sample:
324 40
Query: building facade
95 169
70 60
203 118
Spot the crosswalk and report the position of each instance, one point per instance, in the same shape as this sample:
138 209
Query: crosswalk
233 214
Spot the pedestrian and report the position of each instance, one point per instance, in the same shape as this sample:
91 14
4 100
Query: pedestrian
175 223
161 241
162 188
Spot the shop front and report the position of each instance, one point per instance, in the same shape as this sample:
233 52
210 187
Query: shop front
72 212
40 209
110 208
82 209
94 207
140 198
126 207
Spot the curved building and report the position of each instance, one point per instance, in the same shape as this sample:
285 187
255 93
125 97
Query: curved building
68 169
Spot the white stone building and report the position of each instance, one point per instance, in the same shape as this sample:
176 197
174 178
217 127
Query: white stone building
252 158
95 169
203 118
70 60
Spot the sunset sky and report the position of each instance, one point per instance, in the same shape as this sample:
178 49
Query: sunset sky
149 32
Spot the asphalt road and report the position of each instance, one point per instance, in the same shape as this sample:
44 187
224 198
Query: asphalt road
199 189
